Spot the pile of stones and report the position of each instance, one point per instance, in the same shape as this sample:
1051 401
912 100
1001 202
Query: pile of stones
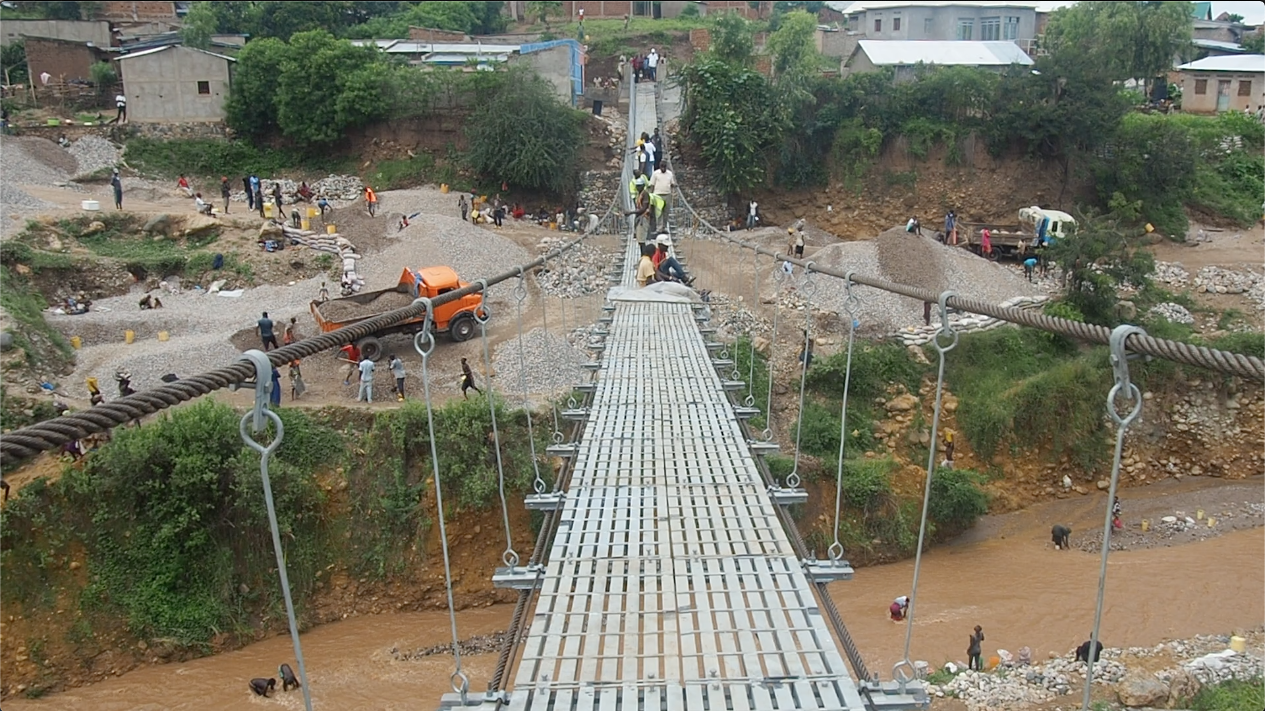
579 271
1174 313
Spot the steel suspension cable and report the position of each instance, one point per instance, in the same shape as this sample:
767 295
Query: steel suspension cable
851 305
481 317
544 317
808 289
1133 401
520 295
51 434
778 277
424 344
1222 361
945 330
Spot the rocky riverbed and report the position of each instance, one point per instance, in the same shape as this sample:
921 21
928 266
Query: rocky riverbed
1184 666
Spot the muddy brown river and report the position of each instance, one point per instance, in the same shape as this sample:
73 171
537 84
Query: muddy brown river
1003 576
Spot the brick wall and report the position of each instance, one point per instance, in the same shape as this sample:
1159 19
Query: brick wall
63 60
136 10
700 39
425 34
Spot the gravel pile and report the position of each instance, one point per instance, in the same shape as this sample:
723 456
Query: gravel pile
338 188
1013 686
1171 273
198 324
480 644
1175 313
1179 528
578 272
472 251
552 366
932 265
343 309
13 199
93 153
36 161
1219 280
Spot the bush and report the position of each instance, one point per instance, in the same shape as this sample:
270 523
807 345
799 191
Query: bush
182 494
956 500
1232 695
521 134
210 158
867 482
875 366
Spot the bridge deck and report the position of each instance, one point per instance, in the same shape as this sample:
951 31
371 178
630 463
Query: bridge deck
671 584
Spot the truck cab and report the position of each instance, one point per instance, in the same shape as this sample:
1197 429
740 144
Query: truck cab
455 318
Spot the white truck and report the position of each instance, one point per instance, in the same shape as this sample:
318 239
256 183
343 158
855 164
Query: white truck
1018 240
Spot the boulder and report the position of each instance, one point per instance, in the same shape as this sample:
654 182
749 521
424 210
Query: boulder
902 403
1183 685
761 345
195 224
158 224
269 230
1140 689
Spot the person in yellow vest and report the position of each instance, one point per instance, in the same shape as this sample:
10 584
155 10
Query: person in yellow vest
637 184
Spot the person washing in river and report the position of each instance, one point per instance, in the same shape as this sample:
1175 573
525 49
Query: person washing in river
899 608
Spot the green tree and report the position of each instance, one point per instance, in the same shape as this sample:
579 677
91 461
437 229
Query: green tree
792 46
326 86
811 7
733 116
1153 161
543 9
1255 42
284 19
103 76
199 24
251 109
13 62
1132 40
733 39
1098 259
520 133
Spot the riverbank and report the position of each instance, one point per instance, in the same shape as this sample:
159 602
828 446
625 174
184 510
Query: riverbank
1003 575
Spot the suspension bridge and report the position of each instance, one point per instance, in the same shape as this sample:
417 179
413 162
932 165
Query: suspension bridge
668 574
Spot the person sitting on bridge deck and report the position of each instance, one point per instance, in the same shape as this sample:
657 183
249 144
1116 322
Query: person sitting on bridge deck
667 268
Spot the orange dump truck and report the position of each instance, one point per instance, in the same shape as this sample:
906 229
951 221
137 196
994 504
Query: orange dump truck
456 318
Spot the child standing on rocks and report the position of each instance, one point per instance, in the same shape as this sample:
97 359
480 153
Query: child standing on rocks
975 651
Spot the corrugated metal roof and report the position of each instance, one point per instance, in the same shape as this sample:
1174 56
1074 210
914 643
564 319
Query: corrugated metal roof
380 44
156 50
896 5
943 52
1219 45
450 48
451 58
1229 63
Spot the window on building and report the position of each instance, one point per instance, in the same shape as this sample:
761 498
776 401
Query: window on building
895 24
878 25
1201 86
1010 28
928 26
990 29
204 87
964 29
1245 87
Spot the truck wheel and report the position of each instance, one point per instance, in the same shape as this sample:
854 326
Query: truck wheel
370 348
461 328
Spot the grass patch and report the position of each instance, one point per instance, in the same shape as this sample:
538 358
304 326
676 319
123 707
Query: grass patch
875 367
607 38
1233 695
753 367
1010 382
211 158
422 169
40 343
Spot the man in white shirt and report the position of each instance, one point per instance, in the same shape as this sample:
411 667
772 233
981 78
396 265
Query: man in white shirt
120 102
652 63
752 216
366 381
661 184
648 147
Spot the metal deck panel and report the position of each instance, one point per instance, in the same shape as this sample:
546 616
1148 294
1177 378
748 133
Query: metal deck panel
671 584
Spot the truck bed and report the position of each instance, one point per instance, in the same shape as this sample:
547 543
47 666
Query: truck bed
359 307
